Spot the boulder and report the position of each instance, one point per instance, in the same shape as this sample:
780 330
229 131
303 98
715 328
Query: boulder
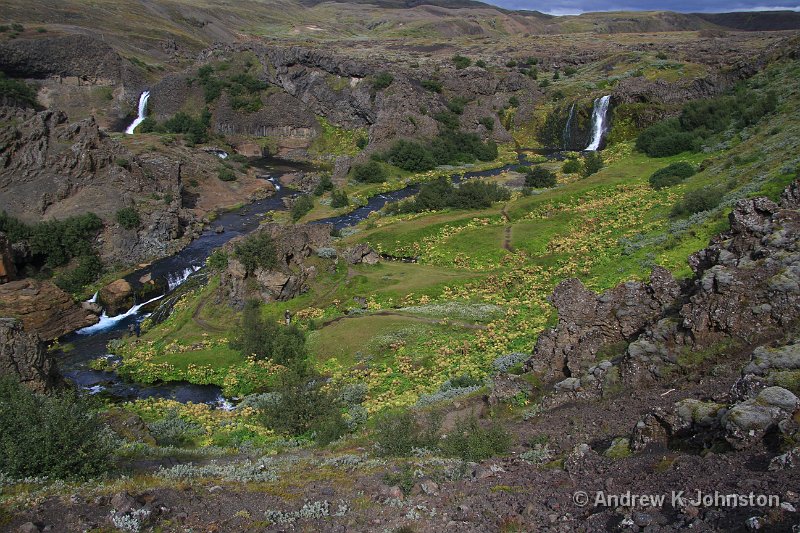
507 386
24 357
43 308
117 297
361 253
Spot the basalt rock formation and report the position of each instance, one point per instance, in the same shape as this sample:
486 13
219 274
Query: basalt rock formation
290 275
746 290
44 308
23 357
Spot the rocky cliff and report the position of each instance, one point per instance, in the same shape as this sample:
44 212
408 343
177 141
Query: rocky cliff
23 357
746 291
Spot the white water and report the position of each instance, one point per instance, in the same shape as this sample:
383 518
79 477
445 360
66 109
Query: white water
175 280
598 122
145 96
567 128
93 299
107 322
275 183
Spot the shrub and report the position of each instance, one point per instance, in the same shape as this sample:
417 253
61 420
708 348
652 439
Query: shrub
172 430
480 63
411 156
448 119
571 166
301 207
87 271
54 242
265 339
592 163
325 184
371 172
671 175
511 63
540 177
432 85
382 80
226 174
570 71
487 122
256 251
461 62
17 90
339 199
58 436
456 105
513 101
441 194
471 442
122 162
697 201
128 218
397 434
305 407
218 260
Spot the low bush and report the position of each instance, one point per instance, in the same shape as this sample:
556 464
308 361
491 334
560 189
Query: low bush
17 90
256 251
671 175
571 166
265 339
128 218
441 194
218 260
397 434
87 271
697 201
432 85
461 62
539 177
226 174
373 172
58 436
301 207
172 430
325 184
469 441
592 163
382 80
339 199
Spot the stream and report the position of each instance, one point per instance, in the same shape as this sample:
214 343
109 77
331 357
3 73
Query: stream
91 343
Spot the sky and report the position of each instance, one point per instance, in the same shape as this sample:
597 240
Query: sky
574 7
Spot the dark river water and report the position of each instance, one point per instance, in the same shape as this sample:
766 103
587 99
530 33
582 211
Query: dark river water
90 343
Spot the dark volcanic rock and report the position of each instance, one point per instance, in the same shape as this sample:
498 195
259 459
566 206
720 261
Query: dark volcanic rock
7 270
24 357
591 324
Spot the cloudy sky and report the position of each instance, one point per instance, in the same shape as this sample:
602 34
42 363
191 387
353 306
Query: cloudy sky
572 7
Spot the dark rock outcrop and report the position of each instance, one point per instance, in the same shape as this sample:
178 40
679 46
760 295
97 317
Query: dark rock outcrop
290 275
592 325
7 270
361 253
23 357
44 308
116 297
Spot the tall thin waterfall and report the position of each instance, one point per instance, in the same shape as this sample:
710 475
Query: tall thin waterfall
568 127
143 98
599 121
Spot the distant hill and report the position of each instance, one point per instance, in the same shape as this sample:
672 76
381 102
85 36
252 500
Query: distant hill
755 21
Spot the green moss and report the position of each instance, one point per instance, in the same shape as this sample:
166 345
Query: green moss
619 449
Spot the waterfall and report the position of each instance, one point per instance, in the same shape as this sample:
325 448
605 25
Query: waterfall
598 122
107 322
176 279
568 127
145 96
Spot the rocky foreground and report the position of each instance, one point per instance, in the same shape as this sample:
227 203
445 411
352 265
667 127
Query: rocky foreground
682 391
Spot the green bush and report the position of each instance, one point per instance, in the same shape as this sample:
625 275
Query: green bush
128 218
194 129
411 156
441 194
58 436
456 105
55 242
17 90
397 434
226 174
571 166
432 85
487 122
305 407
87 271
370 172
697 201
256 251
448 120
339 199
172 430
325 184
592 163
461 62
539 177
265 339
302 206
671 175
382 80
480 63
471 442
513 101
218 260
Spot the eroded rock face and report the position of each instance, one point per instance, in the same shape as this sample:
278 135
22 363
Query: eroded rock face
116 297
44 308
361 253
290 275
590 325
24 357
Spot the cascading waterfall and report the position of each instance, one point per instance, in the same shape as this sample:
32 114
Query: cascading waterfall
568 127
143 98
176 279
598 122
107 322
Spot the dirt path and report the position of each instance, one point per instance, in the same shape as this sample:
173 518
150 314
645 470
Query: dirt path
466 325
202 323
